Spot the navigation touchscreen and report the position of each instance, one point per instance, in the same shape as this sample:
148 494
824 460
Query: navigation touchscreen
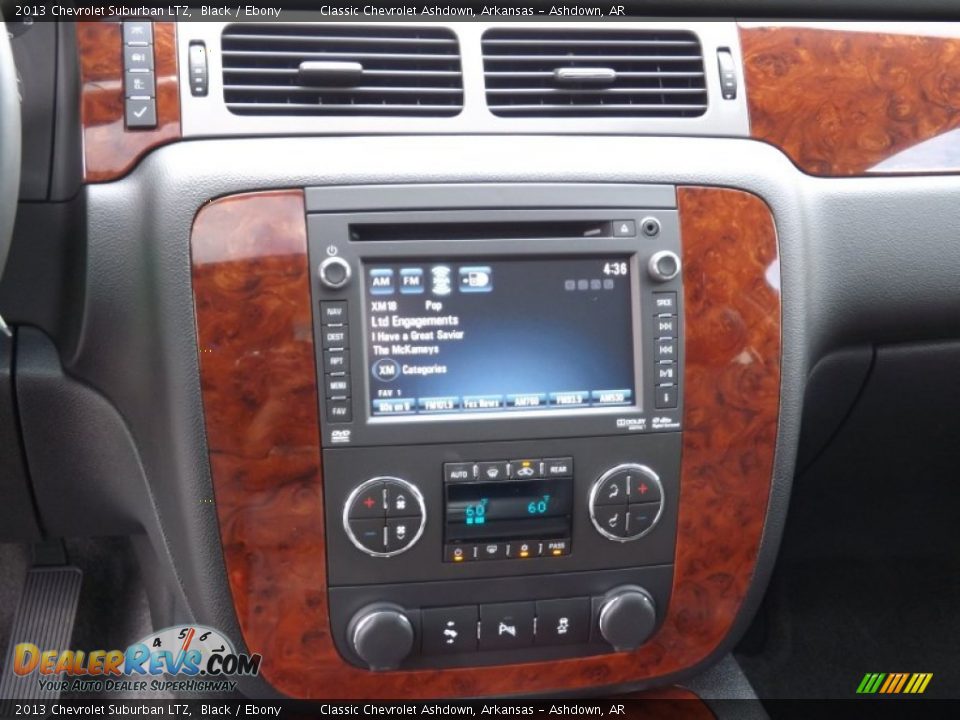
500 336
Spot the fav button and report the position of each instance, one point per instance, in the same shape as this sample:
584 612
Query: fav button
506 625
449 630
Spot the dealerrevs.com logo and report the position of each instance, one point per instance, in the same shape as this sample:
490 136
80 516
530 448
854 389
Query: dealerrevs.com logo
197 658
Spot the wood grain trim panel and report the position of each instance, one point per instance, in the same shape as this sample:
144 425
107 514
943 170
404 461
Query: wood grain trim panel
839 103
251 284
109 149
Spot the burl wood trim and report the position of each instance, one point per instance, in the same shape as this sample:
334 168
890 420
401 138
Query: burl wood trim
109 149
251 284
840 102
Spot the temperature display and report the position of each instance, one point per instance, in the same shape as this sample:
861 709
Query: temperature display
508 509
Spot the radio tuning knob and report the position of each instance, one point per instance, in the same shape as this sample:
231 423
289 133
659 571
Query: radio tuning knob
664 265
628 615
381 634
334 272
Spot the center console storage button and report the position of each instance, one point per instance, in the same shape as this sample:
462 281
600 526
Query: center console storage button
505 626
563 622
449 630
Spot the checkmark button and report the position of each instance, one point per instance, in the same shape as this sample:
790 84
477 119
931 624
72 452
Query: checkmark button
141 113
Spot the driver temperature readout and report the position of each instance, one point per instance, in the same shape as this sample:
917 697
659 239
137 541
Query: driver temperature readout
506 509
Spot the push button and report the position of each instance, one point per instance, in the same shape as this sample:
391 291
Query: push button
335 338
398 501
369 534
640 517
336 361
506 626
333 313
524 469
401 531
563 622
612 518
665 303
665 327
666 398
492 471
492 551
641 490
368 504
449 630
666 350
339 411
558 467
613 491
338 387
458 472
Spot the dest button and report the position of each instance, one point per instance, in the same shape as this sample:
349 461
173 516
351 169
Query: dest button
506 625
563 622
449 630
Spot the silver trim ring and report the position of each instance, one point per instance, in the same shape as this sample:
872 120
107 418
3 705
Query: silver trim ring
412 489
335 260
643 469
654 269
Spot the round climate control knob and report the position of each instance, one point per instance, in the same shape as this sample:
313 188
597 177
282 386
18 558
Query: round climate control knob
628 615
626 502
664 265
381 635
334 272
384 516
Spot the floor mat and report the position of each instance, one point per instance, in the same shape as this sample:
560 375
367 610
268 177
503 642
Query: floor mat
829 623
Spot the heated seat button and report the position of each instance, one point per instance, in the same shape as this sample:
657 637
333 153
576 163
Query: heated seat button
368 504
505 626
613 491
563 622
612 519
449 630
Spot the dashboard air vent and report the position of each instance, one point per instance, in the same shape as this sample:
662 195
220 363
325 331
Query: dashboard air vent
594 73
320 69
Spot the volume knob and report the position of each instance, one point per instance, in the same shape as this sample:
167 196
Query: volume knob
381 634
628 616
664 266
334 272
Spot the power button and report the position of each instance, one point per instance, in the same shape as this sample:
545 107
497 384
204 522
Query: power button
334 272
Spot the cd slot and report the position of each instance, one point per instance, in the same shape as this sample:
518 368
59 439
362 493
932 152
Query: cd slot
521 230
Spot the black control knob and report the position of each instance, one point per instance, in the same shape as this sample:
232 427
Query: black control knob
334 272
664 265
628 615
382 635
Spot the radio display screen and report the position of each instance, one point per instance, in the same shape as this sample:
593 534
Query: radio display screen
500 336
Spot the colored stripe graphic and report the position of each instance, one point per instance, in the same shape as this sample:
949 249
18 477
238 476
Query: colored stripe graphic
894 683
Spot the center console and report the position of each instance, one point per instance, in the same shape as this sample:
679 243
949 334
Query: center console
502 398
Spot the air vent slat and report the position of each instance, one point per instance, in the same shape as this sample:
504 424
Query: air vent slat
407 71
636 73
